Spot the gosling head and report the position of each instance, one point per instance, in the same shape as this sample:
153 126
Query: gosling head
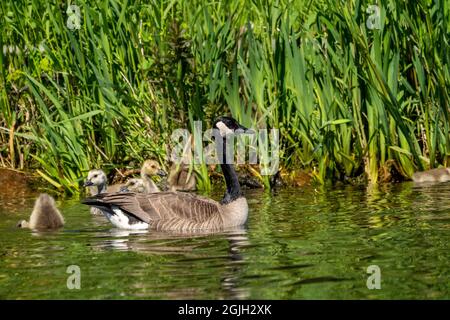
227 125
152 168
96 178
134 185
22 224
45 201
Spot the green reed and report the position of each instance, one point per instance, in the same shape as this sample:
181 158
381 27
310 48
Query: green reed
348 99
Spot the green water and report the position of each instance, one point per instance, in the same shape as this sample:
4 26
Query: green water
298 244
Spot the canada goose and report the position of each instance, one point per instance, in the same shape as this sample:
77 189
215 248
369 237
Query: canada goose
45 215
180 211
433 175
145 184
179 178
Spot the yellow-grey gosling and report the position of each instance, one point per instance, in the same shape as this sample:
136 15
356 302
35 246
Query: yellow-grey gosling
145 184
45 215
179 178
433 175
149 169
97 183
134 185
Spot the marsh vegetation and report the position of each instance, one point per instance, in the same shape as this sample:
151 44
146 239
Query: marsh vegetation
355 92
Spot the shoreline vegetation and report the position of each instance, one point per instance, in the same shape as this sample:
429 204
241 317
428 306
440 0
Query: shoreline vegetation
358 92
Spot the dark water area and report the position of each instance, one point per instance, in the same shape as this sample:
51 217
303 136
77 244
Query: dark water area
303 243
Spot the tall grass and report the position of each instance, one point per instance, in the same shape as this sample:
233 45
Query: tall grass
348 100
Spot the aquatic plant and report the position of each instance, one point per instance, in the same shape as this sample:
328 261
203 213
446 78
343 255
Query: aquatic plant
355 89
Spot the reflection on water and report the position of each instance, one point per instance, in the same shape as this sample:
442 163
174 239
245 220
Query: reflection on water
299 244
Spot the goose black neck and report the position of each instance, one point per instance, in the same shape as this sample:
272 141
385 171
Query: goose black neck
231 179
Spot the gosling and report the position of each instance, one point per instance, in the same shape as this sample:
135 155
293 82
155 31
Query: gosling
134 185
179 178
45 215
145 184
433 175
98 183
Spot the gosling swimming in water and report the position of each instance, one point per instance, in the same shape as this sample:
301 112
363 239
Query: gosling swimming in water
433 175
45 215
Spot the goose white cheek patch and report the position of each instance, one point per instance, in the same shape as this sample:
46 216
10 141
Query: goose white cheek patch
223 129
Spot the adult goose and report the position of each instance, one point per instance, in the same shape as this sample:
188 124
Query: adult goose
45 215
179 211
433 175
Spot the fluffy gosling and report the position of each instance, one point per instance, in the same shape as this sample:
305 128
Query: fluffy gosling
45 215
145 184
433 175
97 183
179 178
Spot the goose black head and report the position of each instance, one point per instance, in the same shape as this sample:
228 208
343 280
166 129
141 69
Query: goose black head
227 125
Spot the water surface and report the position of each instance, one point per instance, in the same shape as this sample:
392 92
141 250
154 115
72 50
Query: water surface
299 244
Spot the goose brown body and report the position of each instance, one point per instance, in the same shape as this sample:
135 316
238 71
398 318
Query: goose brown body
177 211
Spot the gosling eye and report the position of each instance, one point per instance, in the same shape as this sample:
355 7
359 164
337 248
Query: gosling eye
95 176
132 183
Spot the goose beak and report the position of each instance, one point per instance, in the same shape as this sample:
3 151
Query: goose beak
88 184
161 173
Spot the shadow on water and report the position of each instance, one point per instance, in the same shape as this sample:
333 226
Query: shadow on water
298 244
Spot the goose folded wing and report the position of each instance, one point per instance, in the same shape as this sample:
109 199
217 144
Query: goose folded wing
160 206
186 206
129 202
